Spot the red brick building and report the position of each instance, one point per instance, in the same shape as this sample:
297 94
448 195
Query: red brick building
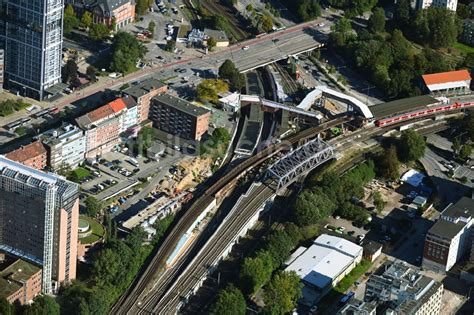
33 155
179 117
102 128
20 281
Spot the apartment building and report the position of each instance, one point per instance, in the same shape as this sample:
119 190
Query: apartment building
66 146
33 155
448 4
102 127
448 240
130 118
39 221
179 117
142 92
399 289
20 282
31 37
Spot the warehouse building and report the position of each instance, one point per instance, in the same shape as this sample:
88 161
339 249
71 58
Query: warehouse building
452 82
322 265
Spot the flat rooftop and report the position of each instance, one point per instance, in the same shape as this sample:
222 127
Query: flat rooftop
181 105
144 87
463 208
401 106
12 276
446 229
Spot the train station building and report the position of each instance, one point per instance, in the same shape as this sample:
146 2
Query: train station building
452 82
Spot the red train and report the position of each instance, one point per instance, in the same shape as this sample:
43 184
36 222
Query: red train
422 112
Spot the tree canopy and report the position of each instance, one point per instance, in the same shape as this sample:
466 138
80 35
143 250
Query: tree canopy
70 20
282 293
412 146
388 164
311 206
126 52
377 21
208 90
93 206
230 301
42 305
228 71
306 10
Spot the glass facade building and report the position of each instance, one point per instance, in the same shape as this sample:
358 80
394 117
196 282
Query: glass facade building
31 36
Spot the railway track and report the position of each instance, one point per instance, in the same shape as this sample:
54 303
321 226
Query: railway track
210 252
192 10
218 10
156 268
214 248
291 85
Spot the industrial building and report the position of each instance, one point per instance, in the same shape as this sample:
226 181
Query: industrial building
32 40
66 146
449 238
39 222
322 265
452 82
399 289
179 117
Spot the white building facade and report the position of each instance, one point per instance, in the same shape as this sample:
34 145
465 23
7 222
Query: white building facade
448 4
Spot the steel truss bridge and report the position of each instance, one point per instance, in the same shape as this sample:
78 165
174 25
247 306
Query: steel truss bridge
300 161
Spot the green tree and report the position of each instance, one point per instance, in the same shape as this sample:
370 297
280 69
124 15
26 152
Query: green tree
145 139
126 52
209 89
170 45
5 307
377 21
282 293
379 202
91 72
98 31
93 206
227 69
402 12
249 7
463 11
69 71
142 6
70 20
456 146
465 152
412 145
266 23
151 27
388 164
230 301
255 272
86 19
311 206
42 305
211 43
